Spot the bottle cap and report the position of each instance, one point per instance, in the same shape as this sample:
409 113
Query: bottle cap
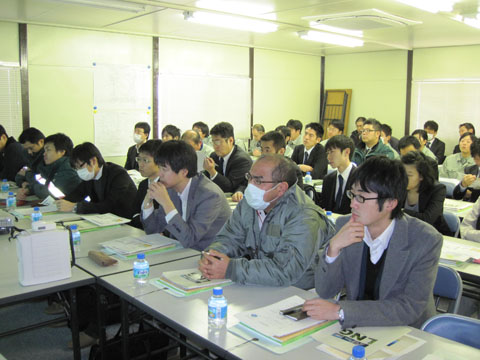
141 256
217 291
10 193
329 213
358 351
308 173
36 208
73 227
4 180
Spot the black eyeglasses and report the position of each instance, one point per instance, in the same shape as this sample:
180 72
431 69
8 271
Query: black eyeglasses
359 198
80 166
257 180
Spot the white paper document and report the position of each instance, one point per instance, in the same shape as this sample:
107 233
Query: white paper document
107 219
131 245
458 252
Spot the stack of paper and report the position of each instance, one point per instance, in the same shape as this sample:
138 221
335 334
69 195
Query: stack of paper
456 205
269 324
107 219
453 252
128 247
187 282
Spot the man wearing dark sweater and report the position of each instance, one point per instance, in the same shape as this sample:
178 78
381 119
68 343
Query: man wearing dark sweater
12 156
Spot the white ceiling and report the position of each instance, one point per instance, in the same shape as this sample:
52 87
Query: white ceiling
164 18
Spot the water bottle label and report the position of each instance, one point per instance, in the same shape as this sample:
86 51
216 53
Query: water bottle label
141 273
217 312
10 202
5 187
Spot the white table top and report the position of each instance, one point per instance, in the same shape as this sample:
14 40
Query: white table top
466 268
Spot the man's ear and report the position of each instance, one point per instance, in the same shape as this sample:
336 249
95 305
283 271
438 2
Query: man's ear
183 172
390 204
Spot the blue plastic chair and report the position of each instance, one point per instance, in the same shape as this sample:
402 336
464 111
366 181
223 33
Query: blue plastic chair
453 222
448 285
458 328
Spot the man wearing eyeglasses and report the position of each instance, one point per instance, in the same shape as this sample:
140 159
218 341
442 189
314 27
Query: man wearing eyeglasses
371 144
386 260
273 235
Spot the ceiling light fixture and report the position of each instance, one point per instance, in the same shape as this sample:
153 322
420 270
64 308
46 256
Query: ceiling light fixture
230 21
334 39
470 21
433 6
316 25
235 7
107 4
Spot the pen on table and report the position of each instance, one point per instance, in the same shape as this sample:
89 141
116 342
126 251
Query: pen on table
207 253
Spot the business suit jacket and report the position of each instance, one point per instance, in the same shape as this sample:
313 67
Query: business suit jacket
438 148
12 159
459 194
131 163
406 285
430 208
327 199
207 212
113 193
137 205
317 160
238 165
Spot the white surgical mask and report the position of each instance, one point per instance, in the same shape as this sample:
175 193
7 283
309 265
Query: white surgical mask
85 175
254 197
430 137
137 138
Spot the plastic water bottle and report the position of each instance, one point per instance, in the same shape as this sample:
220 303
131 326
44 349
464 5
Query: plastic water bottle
358 353
75 238
141 269
217 309
330 217
308 178
5 186
11 201
37 214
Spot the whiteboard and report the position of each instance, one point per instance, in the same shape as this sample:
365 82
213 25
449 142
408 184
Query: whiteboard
449 103
185 99
122 97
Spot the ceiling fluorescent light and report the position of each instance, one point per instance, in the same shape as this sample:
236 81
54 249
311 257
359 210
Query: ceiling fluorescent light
334 39
235 7
316 25
433 6
230 22
107 4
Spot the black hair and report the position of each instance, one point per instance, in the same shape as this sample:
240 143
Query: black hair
360 118
475 148
423 167
376 125
387 129
61 142
32 135
3 131
150 147
284 130
259 128
84 152
145 126
383 176
469 127
284 170
407 141
422 133
337 124
295 124
430 124
223 129
472 137
277 138
171 130
178 155
202 126
317 127
341 142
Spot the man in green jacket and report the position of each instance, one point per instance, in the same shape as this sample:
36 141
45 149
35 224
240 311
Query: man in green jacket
55 168
273 235
371 144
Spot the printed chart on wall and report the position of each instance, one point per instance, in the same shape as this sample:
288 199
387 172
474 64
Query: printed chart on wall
122 97
185 99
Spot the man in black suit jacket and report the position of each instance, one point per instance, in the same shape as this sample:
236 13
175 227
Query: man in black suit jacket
12 156
472 173
334 198
109 187
311 156
228 164
140 136
437 146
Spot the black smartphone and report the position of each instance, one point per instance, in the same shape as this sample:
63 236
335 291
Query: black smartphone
295 313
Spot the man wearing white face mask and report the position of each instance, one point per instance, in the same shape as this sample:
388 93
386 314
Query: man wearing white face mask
273 235
140 136
109 187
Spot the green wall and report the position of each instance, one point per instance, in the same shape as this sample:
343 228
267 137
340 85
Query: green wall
9 42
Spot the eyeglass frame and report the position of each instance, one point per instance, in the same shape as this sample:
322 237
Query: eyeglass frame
257 181
359 198
368 130
145 161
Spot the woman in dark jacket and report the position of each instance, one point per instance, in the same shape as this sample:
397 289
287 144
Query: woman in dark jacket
425 196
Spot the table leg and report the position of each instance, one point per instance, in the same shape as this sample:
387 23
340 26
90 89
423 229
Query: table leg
74 324
125 328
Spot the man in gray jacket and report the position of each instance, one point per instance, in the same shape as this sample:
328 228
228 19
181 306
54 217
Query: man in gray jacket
274 234
386 260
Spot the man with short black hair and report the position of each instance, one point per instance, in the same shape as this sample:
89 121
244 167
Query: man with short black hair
469 188
411 143
422 137
295 127
106 187
141 133
192 208
285 131
462 129
257 132
333 129
12 156
170 132
386 260
229 164
311 157
356 135
204 132
436 145
32 140
340 149
202 150
371 144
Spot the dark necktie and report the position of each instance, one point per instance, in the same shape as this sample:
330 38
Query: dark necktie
305 157
429 144
338 198
221 161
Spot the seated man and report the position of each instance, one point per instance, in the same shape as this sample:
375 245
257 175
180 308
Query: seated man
150 170
12 156
106 187
202 150
192 208
462 129
422 137
55 169
436 145
386 136
334 197
410 143
333 129
356 134
170 132
470 226
32 140
285 131
370 144
386 260
140 135
203 131
311 156
257 132
273 237
229 164
465 189
455 164
295 127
